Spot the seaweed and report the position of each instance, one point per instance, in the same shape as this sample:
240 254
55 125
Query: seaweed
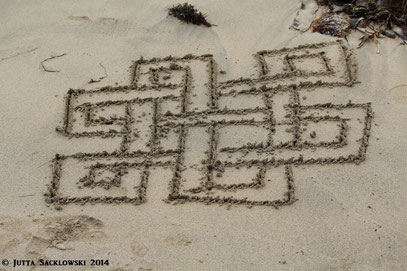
373 18
189 14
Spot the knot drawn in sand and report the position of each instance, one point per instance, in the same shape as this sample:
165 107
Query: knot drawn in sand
233 142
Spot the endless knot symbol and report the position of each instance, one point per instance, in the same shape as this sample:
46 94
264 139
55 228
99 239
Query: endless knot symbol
223 140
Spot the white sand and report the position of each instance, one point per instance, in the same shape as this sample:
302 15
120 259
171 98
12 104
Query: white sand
347 217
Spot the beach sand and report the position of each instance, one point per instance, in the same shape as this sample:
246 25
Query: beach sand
178 163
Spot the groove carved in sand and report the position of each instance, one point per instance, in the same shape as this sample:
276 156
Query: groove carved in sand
233 142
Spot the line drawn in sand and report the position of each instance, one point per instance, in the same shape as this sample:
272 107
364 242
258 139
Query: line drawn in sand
233 142
49 58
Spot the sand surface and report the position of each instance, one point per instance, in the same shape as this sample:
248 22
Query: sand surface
265 149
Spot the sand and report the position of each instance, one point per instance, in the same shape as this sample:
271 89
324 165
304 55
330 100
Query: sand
131 137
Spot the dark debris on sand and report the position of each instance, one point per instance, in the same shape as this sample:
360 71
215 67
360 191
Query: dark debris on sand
375 18
189 14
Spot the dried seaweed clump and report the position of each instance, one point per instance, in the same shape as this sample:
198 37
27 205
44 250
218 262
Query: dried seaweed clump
374 18
188 14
